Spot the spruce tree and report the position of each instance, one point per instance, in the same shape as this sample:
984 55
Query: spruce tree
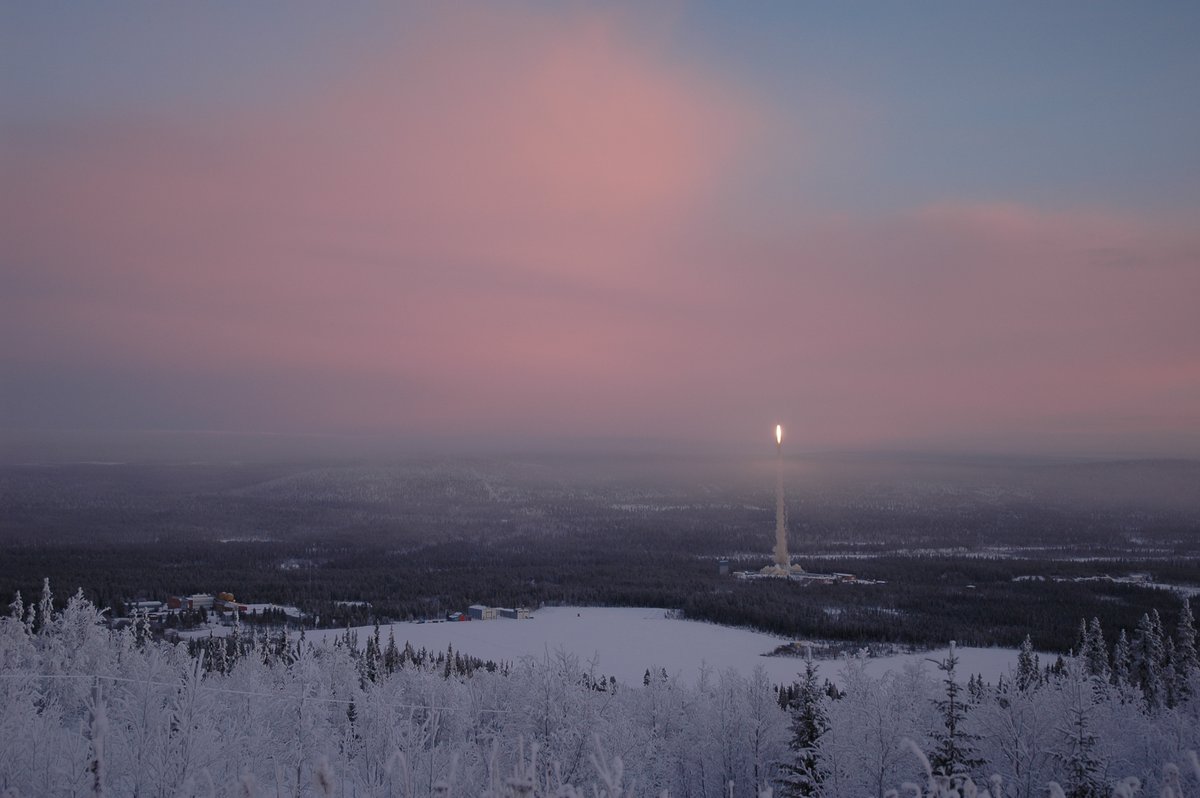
1185 651
1157 620
1028 673
954 755
1170 686
784 696
370 662
1148 658
45 607
391 655
220 658
976 689
802 775
1122 661
1082 767
1096 656
1081 639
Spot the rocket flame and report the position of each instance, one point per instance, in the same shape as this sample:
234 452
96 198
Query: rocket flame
778 434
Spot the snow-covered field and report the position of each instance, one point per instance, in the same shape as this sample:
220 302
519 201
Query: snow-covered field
625 641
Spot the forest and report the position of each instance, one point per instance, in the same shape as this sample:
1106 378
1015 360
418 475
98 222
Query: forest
358 543
86 710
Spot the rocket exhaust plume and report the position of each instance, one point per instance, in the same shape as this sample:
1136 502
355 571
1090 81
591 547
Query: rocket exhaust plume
781 548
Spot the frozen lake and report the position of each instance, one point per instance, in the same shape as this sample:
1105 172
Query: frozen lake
625 641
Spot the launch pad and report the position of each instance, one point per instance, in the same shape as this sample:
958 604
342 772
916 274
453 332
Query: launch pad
783 567
789 571
798 574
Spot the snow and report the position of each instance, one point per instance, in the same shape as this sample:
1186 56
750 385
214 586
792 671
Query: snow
1137 580
82 705
625 641
1188 591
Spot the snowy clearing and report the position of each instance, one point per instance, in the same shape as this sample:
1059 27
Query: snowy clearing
625 641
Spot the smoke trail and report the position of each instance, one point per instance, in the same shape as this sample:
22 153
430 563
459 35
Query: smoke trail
781 548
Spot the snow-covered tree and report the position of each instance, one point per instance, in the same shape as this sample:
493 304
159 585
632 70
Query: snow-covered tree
955 754
1095 652
1148 652
1186 659
1082 769
1016 740
304 722
45 607
1029 672
1170 685
863 751
16 608
1122 661
809 720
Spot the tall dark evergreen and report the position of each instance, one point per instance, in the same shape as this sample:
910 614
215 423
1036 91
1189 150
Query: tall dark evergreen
802 776
1029 673
45 607
1095 652
369 662
1122 661
1083 768
391 655
976 689
1148 653
1186 661
1170 683
955 754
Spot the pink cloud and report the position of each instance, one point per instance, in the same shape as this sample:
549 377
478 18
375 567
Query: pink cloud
511 224
995 324
479 207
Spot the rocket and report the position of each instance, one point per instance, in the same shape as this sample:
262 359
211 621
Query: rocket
782 560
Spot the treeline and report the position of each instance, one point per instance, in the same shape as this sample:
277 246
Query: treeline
917 607
420 540
374 660
925 599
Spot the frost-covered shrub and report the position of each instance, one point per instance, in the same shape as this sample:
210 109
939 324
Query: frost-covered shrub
86 710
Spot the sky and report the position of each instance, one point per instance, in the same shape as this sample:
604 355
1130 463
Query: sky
939 227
